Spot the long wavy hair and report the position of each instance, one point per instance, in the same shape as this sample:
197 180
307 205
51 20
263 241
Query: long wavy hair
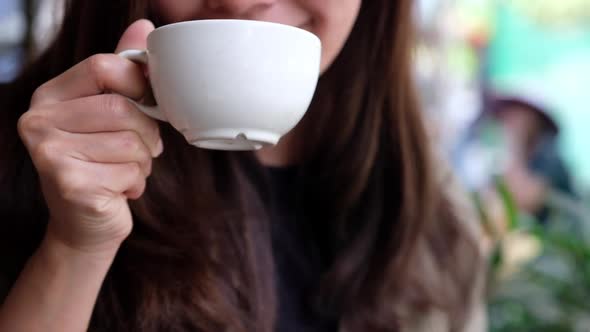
200 255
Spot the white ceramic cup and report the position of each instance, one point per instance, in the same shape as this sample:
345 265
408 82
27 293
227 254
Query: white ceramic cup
230 84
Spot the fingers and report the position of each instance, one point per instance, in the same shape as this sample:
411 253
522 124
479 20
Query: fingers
96 114
126 179
109 148
135 37
92 150
98 74
79 173
86 184
101 73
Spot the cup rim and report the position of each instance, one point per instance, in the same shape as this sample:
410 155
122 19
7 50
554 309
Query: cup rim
234 21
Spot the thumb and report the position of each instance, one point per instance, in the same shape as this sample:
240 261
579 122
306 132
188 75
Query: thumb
135 37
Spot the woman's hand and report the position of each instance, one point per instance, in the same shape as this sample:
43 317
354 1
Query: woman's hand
92 148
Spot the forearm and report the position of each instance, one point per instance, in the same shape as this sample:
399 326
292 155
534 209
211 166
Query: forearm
56 291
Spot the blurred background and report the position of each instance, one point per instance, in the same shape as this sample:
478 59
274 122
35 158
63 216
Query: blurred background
26 27
506 83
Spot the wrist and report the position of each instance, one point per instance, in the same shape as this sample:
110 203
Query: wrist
59 250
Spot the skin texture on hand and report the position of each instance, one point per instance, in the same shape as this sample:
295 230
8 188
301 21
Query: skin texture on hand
93 151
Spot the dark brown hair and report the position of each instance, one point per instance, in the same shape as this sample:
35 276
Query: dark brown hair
200 258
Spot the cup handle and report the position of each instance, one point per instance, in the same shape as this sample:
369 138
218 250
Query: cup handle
140 56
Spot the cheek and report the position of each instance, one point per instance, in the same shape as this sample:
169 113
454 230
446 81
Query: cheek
332 21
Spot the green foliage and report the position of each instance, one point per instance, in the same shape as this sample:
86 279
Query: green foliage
551 291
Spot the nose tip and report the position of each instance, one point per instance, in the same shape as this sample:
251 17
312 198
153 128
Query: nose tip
238 7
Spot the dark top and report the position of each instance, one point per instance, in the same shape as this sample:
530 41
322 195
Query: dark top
298 266
297 263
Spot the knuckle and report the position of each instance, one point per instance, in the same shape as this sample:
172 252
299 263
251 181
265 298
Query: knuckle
146 153
149 167
40 94
155 130
31 122
146 157
137 174
77 188
135 171
71 184
46 152
116 106
97 66
138 188
129 141
146 164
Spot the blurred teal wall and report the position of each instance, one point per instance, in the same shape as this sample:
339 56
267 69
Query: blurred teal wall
549 61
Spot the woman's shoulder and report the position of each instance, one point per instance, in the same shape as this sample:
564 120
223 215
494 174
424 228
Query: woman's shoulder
451 260
456 196
466 218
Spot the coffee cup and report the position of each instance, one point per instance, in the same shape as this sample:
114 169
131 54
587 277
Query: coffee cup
230 84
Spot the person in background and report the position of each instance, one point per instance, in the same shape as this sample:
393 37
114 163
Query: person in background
534 166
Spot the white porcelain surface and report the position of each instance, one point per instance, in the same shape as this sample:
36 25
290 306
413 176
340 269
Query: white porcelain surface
233 84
